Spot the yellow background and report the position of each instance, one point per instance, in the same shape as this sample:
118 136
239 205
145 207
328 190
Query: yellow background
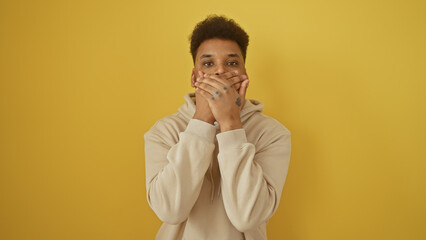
82 81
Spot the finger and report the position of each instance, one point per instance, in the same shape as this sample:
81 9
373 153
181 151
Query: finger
208 88
214 82
233 78
243 88
206 95
200 75
218 81
228 75
237 79
237 86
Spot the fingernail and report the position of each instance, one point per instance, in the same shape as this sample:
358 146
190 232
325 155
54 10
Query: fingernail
244 76
236 71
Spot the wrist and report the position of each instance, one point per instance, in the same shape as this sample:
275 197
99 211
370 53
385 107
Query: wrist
231 125
204 119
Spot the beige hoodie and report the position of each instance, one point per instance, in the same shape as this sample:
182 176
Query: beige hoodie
204 184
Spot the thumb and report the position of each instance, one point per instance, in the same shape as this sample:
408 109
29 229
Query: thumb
243 88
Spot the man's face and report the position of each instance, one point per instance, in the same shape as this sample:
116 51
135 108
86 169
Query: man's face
217 56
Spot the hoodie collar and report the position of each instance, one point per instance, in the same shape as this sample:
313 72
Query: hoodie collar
250 107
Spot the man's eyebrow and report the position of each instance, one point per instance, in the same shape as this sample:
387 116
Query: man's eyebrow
210 55
205 56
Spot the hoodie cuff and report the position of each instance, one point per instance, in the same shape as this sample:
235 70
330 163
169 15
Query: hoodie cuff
201 129
231 139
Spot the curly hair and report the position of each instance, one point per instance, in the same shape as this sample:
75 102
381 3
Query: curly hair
218 27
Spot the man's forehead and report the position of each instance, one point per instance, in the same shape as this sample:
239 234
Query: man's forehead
219 46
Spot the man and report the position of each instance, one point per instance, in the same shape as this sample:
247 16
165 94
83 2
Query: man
217 167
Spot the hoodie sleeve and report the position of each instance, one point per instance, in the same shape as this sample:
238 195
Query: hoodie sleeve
252 179
174 174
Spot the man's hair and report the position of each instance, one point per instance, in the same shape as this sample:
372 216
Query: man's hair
218 27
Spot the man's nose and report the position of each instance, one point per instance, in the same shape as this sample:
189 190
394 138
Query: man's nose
219 70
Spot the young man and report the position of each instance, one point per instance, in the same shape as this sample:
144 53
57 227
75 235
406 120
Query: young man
217 167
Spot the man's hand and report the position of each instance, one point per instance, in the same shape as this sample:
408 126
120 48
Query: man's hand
202 109
224 100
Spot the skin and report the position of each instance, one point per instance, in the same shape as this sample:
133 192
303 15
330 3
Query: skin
220 79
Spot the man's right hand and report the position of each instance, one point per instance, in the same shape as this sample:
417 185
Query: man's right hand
202 108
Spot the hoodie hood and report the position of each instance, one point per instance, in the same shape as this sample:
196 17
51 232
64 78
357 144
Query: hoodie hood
188 110
250 107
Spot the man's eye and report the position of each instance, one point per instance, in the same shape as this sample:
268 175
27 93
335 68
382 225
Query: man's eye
208 64
233 63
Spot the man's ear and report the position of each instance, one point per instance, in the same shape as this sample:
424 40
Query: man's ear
193 78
